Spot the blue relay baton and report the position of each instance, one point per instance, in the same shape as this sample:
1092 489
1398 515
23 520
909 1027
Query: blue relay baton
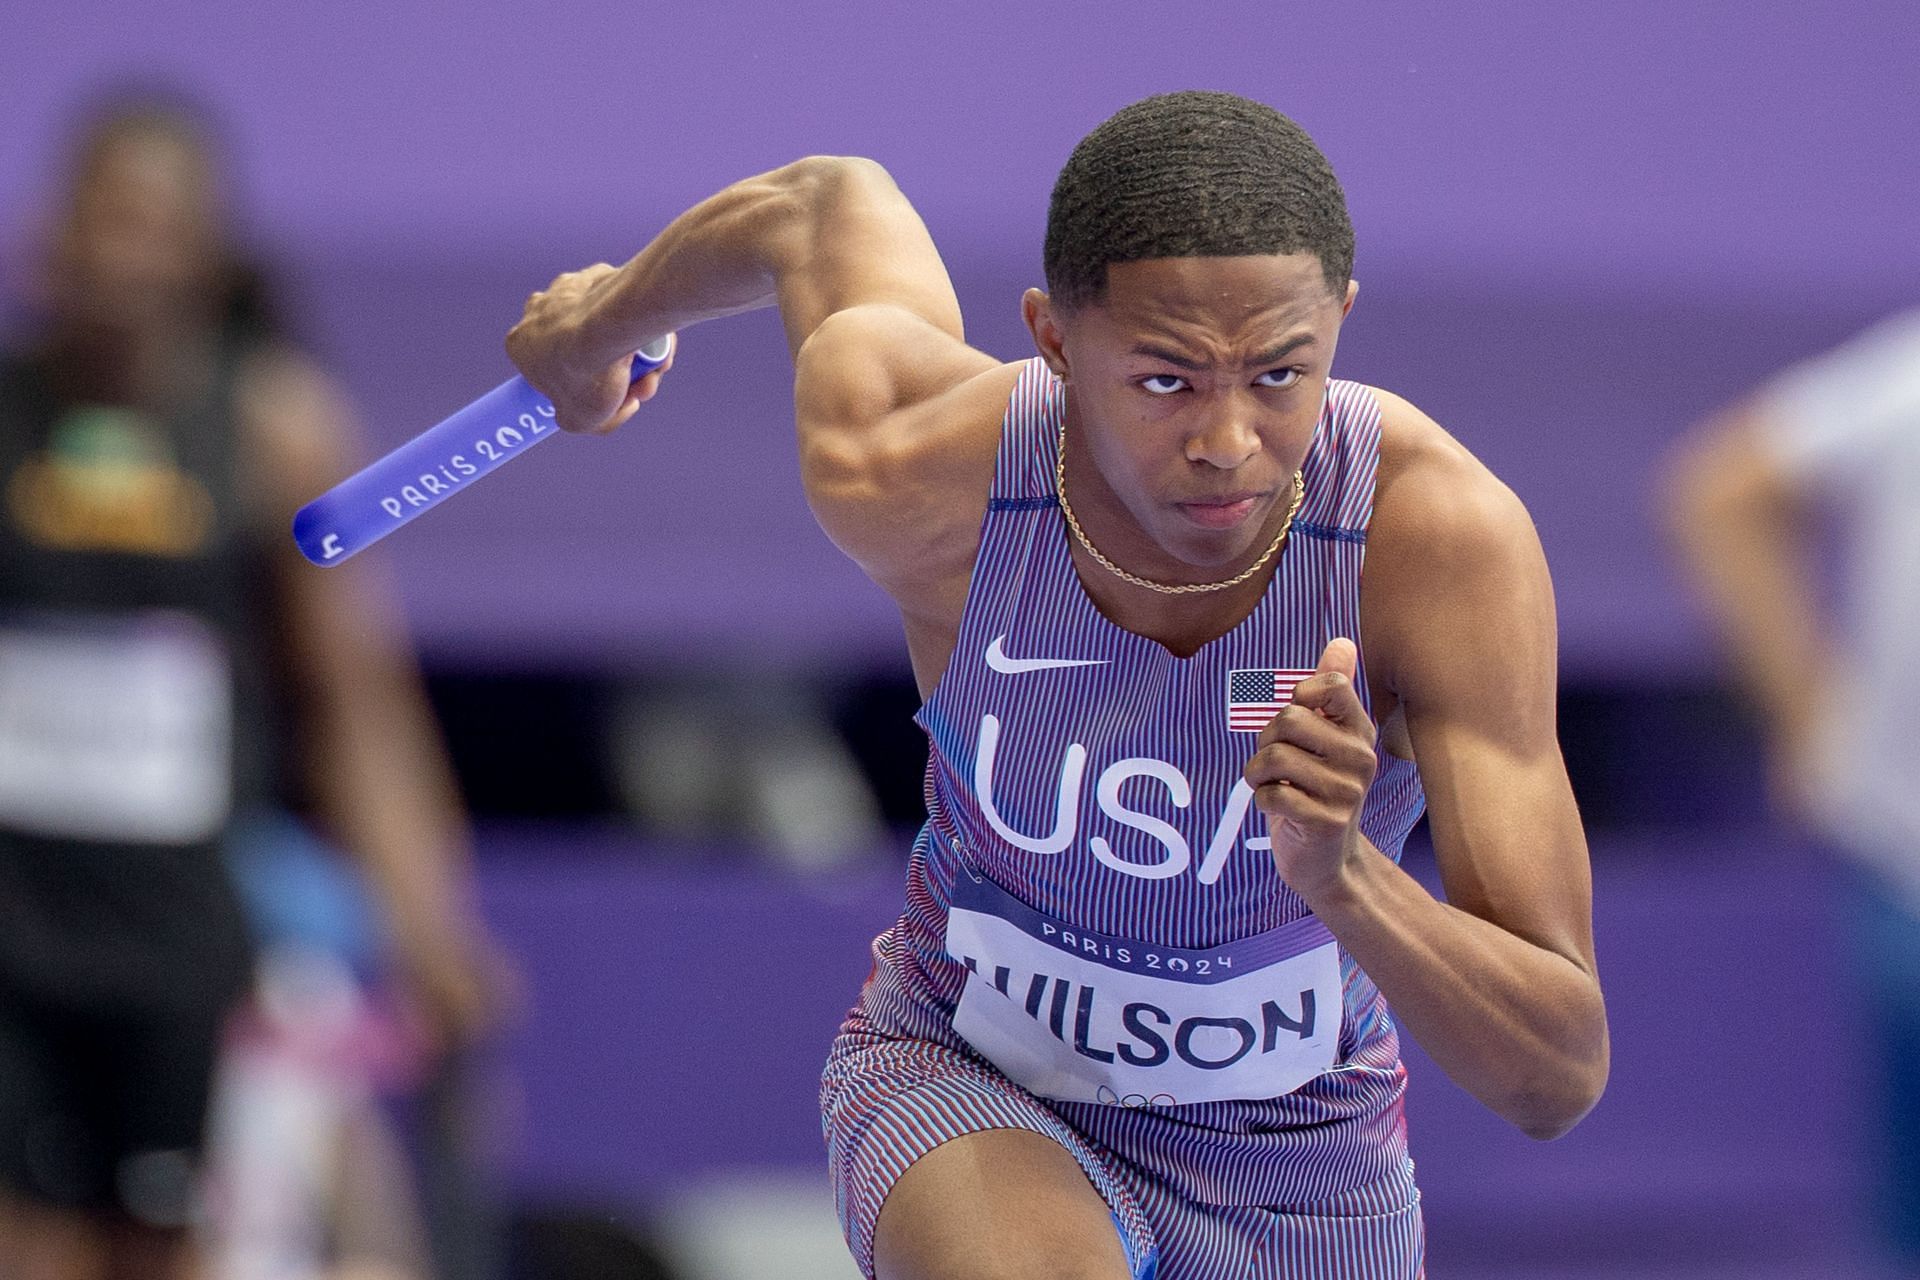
436 464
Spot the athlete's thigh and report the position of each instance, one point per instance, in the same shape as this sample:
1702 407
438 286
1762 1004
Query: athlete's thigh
996 1205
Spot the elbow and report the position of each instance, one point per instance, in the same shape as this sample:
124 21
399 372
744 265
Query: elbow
840 167
805 201
826 179
1556 1118
1563 1079
1552 1111
1558 1098
779 217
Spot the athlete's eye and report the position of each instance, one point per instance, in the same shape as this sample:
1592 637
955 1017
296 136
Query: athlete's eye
1163 384
1278 378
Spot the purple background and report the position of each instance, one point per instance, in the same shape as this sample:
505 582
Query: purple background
1579 228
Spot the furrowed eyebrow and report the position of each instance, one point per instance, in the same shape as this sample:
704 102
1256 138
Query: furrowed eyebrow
1285 349
1168 357
1264 359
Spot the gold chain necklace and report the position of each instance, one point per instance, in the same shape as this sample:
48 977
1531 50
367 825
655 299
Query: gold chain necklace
1166 589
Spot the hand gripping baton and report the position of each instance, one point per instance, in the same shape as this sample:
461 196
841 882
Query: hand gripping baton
436 464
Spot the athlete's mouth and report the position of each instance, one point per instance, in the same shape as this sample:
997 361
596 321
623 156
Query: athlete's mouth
1223 511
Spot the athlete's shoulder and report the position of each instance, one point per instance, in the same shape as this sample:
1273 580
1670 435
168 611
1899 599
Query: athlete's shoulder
1454 567
1437 508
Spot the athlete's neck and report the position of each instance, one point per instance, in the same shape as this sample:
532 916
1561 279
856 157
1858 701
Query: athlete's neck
1182 623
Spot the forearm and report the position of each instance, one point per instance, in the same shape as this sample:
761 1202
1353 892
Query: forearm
767 240
1520 1027
384 791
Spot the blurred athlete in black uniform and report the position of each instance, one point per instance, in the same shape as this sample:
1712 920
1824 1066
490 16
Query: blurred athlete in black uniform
166 666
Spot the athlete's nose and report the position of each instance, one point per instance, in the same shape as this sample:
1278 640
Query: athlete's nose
1226 437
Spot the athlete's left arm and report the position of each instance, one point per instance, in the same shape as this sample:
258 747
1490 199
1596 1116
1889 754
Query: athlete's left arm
1497 983
367 745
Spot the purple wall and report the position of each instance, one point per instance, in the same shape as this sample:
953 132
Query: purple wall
1578 230
1632 139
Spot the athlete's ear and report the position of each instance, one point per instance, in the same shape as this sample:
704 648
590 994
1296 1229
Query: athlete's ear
1043 322
1353 291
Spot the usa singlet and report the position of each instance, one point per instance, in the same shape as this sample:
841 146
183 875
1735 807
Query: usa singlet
1096 945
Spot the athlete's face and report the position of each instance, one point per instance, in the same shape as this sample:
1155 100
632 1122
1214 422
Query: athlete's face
139 245
1193 389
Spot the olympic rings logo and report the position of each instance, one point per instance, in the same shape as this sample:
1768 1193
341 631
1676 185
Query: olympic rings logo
1133 1101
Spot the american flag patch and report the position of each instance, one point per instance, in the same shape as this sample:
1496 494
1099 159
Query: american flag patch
1256 696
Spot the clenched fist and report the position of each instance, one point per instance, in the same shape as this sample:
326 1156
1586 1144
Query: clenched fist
1311 769
556 348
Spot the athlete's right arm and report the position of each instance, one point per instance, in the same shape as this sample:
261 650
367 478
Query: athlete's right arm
897 415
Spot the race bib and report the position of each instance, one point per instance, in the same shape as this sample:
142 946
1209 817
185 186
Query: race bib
115 730
1080 1016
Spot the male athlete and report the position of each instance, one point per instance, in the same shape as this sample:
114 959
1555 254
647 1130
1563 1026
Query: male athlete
1155 919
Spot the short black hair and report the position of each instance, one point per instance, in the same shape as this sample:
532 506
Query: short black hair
1192 175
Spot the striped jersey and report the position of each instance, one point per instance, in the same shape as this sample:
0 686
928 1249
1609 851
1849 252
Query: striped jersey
1091 781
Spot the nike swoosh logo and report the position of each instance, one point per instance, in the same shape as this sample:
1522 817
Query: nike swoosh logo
999 661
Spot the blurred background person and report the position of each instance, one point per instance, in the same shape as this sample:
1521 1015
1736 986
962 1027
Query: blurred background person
172 676
1798 511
